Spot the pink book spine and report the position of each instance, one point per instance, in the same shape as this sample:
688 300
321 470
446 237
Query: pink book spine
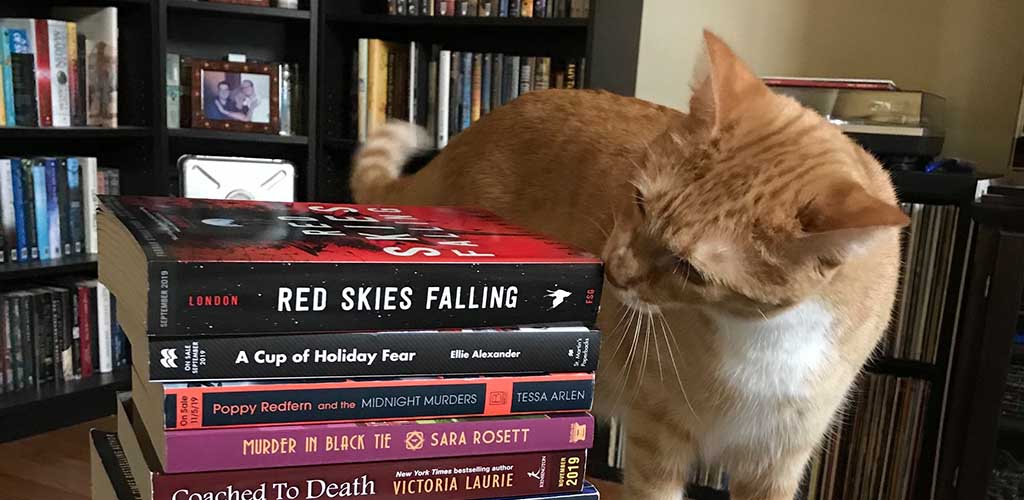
301 445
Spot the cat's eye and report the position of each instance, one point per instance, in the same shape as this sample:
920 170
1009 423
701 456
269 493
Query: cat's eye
685 270
638 197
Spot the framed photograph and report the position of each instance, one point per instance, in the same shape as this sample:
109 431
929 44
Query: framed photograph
241 97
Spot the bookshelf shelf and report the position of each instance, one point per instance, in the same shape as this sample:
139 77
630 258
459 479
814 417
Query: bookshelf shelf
65 133
218 135
902 368
46 268
51 405
441 22
934 188
237 11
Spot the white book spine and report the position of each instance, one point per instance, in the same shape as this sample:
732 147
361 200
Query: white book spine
361 103
7 210
104 327
89 202
431 118
413 49
444 74
59 79
514 79
284 95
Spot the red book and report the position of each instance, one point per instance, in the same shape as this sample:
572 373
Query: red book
85 330
216 267
43 91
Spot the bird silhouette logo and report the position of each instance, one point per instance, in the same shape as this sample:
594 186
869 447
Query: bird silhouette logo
557 297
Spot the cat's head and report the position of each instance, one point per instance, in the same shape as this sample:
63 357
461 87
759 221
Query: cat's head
750 203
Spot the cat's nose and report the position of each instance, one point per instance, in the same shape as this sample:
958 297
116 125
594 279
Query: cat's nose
615 282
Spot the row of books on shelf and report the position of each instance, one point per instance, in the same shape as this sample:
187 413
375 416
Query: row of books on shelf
47 206
446 91
58 332
927 267
56 73
242 388
490 8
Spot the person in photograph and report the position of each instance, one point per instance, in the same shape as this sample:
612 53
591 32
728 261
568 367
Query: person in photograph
246 99
219 106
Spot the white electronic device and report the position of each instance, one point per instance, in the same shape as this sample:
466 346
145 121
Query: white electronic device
235 178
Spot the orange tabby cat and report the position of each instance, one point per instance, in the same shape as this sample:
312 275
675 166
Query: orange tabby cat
751 255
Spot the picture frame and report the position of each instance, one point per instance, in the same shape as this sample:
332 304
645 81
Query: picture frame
240 97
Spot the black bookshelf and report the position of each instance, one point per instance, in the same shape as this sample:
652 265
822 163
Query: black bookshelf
57 404
41 269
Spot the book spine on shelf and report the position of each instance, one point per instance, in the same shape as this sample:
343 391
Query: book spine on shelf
204 405
362 102
41 210
77 116
73 316
64 205
94 324
310 445
485 84
23 76
432 94
53 209
83 110
89 202
462 478
466 66
497 67
526 8
76 216
476 87
373 354
28 191
28 340
7 211
64 359
20 219
455 96
444 75
59 80
43 337
12 315
104 328
7 76
44 89
85 330
116 347
6 368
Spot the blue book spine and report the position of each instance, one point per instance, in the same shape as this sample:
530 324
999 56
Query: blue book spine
41 210
116 349
77 215
8 79
503 8
485 97
53 208
19 209
467 89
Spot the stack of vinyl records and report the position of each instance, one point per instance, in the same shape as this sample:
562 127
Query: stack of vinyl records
314 351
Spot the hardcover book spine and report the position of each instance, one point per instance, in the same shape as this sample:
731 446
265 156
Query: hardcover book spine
19 210
13 317
64 207
444 75
44 89
94 325
43 335
72 313
73 75
6 376
7 211
89 202
104 326
362 103
307 356
80 61
41 209
28 190
526 8
64 366
262 448
23 77
85 330
59 79
455 96
229 297
467 89
76 217
8 118
28 341
485 84
476 99
53 209
463 478
347 401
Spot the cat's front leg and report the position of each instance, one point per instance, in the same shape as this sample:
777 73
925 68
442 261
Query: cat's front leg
659 452
779 481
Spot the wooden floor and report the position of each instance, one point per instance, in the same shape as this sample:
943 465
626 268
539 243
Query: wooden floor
55 465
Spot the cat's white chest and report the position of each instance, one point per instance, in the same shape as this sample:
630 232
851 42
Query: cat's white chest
773 358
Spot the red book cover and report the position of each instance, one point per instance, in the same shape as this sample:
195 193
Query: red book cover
43 91
464 478
85 330
218 267
248 404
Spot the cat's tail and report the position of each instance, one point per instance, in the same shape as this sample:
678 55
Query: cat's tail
379 162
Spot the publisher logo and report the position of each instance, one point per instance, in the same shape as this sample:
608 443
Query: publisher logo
557 297
577 433
414 441
221 223
168 358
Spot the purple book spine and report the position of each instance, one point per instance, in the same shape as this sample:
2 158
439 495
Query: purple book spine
268 447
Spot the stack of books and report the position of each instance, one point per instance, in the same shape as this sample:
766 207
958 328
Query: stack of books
58 332
313 351
490 8
56 73
446 91
48 206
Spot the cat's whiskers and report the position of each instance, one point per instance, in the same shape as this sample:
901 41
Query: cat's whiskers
643 363
657 349
601 228
667 331
621 386
632 314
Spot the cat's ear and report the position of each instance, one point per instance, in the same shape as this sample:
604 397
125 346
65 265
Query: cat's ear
841 220
722 83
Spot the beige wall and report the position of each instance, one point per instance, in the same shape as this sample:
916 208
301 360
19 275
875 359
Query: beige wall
969 51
